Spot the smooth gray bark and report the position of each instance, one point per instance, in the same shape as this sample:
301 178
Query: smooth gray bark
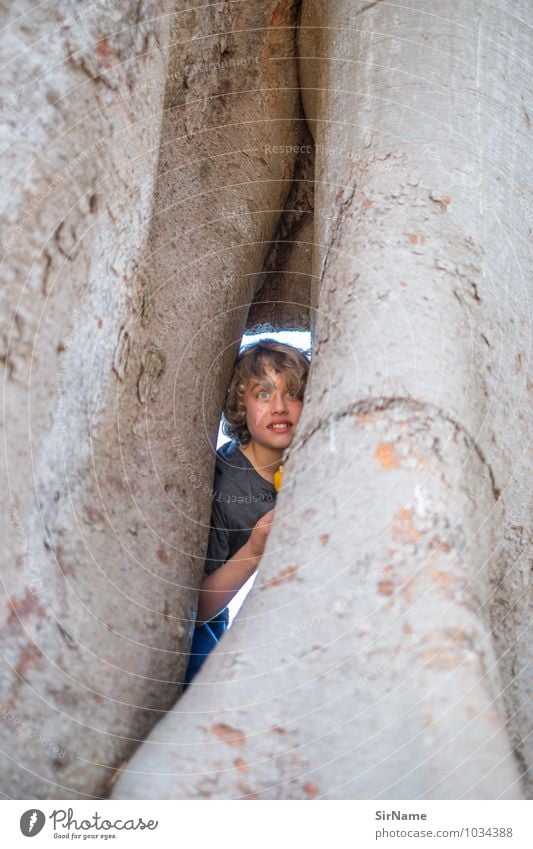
382 651
138 205
151 161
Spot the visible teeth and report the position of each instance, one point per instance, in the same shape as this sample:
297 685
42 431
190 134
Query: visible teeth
279 426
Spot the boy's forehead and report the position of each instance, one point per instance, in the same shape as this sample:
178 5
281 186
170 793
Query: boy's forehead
267 376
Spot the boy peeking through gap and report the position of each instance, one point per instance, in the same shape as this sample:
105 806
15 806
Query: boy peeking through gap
263 404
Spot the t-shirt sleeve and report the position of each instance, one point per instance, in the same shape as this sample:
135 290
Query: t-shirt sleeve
217 552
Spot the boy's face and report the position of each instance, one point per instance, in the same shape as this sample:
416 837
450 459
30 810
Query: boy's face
269 403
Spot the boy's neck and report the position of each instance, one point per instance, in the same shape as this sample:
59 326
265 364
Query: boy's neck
265 461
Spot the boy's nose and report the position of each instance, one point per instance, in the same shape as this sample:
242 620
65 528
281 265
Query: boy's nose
278 403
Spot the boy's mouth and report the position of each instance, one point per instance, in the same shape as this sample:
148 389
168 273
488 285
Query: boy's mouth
280 427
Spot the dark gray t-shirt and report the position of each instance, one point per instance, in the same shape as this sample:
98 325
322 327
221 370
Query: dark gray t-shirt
240 497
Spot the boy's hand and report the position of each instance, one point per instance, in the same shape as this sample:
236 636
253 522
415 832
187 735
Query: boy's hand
260 532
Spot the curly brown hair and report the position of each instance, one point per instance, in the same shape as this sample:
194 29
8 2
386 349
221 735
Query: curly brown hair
252 362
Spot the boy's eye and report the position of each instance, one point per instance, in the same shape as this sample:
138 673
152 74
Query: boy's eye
263 394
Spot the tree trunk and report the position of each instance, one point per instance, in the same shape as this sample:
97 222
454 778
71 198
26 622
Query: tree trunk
142 199
381 652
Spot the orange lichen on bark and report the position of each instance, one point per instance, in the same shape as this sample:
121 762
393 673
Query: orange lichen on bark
278 17
248 794
385 587
442 578
365 418
403 528
407 589
103 48
240 763
31 656
310 788
441 657
386 455
21 608
439 545
285 575
324 539
229 735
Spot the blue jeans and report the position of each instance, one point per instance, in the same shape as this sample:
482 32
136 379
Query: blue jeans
205 638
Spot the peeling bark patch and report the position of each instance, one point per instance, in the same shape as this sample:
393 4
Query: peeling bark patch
403 528
474 292
22 608
163 556
70 641
152 367
94 517
247 793
386 455
385 587
440 545
441 657
240 763
527 119
122 353
310 788
106 53
285 575
442 578
67 241
442 203
344 199
31 656
229 735
366 418
368 6
278 17
46 272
